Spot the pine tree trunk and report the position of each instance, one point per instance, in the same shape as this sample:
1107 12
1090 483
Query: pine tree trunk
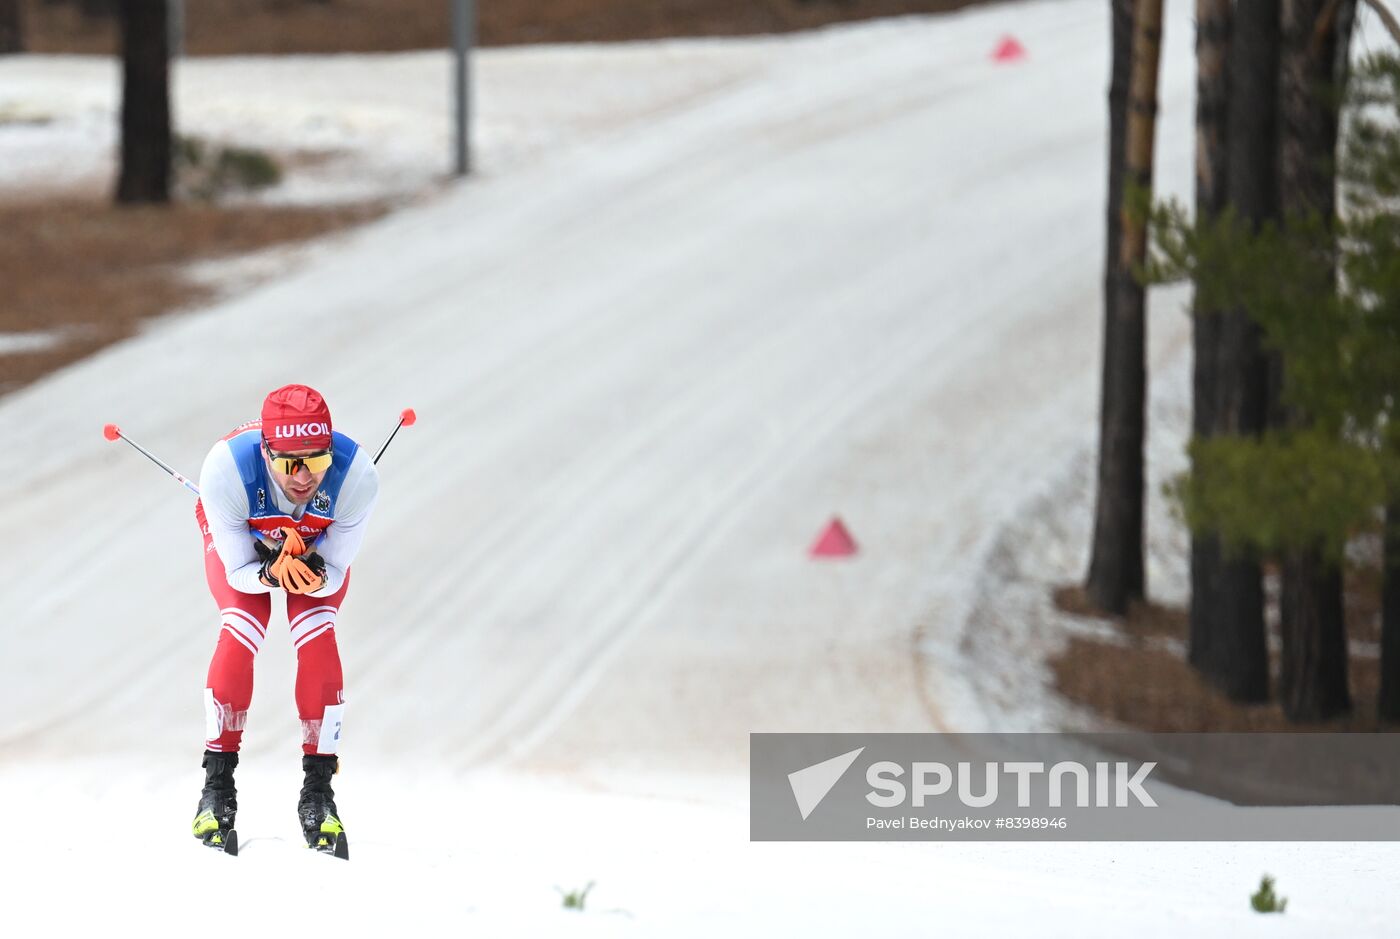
1239 663
1235 659
1389 706
1313 678
1308 116
1212 96
1116 576
1212 100
145 121
11 27
1341 53
1121 74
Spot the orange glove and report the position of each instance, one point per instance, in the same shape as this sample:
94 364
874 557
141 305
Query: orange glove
292 542
298 577
275 559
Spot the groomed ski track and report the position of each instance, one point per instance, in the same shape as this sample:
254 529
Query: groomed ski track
862 280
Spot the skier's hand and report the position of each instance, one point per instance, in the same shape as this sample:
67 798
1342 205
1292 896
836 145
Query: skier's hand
298 576
292 543
275 558
267 555
316 563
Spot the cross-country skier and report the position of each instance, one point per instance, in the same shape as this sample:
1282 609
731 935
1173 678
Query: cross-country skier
284 504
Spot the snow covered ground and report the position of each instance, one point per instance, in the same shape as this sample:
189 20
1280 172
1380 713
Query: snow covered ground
703 297
362 126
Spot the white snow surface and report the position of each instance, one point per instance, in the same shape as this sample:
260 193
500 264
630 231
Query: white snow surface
359 126
703 297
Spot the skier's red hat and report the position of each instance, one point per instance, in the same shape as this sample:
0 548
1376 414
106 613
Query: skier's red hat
295 417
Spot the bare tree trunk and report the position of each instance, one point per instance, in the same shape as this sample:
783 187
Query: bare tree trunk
1389 706
1235 659
1212 101
1121 74
1116 575
146 143
1341 53
11 27
1212 98
1309 97
1313 679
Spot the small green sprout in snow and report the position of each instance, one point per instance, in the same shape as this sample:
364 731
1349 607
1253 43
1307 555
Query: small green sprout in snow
1266 901
574 899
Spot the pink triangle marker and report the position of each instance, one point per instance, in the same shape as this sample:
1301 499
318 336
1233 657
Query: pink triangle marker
835 542
1009 50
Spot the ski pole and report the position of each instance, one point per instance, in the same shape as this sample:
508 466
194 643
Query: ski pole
407 418
113 432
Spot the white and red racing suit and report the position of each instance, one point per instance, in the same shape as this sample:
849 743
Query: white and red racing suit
239 504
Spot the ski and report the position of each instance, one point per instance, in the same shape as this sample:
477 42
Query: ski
223 840
332 843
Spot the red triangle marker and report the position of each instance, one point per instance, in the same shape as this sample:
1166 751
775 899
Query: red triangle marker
835 542
1009 50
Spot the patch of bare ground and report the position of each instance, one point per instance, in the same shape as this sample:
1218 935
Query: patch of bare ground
1140 678
248 27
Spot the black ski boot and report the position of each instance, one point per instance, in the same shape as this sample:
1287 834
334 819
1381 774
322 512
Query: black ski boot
320 820
218 803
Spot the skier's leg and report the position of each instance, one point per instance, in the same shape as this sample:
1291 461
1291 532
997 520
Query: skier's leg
320 692
320 686
228 691
319 700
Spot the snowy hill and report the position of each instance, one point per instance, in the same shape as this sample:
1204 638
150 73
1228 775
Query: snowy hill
851 272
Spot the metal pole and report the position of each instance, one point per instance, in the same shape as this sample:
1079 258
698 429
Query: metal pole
407 418
463 28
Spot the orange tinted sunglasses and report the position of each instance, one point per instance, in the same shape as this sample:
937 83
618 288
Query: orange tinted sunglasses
288 465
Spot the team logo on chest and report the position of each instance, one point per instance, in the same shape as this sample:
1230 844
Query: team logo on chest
322 503
262 500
